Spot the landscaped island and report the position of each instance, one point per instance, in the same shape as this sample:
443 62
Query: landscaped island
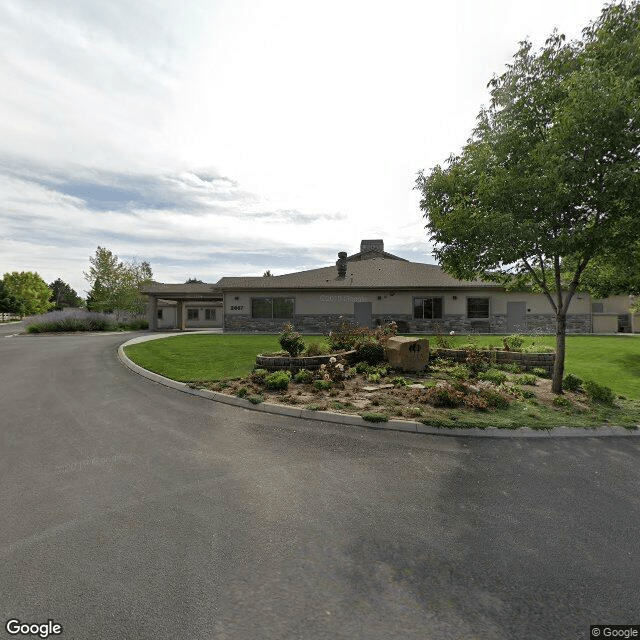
480 392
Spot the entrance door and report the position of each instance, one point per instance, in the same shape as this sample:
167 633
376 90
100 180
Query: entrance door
362 312
516 317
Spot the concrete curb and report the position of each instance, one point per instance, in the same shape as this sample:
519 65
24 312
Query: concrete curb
343 419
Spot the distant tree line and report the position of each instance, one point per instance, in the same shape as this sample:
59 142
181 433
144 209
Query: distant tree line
114 287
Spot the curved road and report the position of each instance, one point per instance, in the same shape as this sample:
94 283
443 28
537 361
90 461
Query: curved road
132 511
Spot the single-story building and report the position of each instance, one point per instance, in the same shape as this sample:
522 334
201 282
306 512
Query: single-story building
369 288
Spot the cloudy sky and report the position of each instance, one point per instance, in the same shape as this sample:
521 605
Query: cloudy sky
226 137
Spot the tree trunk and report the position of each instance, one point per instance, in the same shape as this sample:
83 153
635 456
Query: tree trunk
558 367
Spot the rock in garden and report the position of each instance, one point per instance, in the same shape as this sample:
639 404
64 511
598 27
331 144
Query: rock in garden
408 354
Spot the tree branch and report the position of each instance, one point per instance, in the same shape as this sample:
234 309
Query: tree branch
541 284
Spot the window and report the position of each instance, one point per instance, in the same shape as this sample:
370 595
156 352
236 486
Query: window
477 307
597 307
272 307
159 314
193 314
209 314
427 308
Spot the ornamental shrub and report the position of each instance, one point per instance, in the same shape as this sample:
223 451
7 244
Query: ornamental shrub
317 349
513 342
348 336
511 367
571 382
540 372
527 378
460 372
258 375
443 395
561 401
362 367
322 385
303 376
278 380
493 375
291 341
495 398
371 352
598 392
476 361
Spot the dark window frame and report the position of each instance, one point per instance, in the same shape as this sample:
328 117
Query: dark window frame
208 312
416 299
475 315
269 301
190 313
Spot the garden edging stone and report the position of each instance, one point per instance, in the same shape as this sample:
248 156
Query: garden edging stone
345 419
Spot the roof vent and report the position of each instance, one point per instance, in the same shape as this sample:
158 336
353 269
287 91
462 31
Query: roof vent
371 245
342 264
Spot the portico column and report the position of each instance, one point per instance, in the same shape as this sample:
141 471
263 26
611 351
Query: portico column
180 315
152 313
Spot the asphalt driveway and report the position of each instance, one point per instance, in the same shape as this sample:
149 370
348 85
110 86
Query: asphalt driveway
135 511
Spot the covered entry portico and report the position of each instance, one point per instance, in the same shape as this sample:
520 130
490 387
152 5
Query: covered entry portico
188 298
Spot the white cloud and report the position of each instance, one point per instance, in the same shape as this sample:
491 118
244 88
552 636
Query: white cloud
240 127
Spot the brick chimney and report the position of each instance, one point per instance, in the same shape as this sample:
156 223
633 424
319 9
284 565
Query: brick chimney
371 245
342 264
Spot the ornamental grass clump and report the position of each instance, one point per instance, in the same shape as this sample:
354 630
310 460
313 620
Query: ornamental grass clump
71 320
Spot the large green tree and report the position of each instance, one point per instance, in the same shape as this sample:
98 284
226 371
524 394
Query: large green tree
115 284
8 302
549 181
62 295
30 290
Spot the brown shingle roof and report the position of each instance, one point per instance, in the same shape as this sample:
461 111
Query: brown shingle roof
379 273
192 289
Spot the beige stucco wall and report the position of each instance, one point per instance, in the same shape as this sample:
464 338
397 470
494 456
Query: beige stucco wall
169 314
383 302
605 323
614 304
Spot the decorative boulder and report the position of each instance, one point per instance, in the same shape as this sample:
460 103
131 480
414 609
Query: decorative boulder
407 354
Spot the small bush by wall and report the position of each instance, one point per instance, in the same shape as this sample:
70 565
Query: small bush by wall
527 361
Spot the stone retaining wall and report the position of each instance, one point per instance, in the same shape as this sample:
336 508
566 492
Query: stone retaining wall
526 360
288 363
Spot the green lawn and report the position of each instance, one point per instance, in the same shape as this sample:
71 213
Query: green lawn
611 360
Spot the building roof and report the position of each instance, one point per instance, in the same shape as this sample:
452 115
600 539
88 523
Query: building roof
193 291
372 273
